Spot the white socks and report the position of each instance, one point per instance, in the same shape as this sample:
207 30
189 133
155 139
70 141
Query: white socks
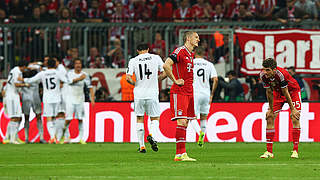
80 130
195 126
59 128
51 128
154 125
140 134
13 131
26 128
203 125
40 128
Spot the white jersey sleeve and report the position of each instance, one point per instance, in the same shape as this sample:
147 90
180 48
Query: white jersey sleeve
87 80
35 79
12 79
130 69
213 72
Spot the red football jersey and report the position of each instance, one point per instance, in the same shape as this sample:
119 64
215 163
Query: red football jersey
281 79
182 69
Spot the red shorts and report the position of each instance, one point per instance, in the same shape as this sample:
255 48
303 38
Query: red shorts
278 101
182 107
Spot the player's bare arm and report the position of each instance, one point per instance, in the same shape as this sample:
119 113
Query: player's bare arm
82 77
162 76
294 112
167 66
214 87
21 84
92 96
130 80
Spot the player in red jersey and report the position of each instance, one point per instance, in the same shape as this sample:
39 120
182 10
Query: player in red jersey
179 68
281 88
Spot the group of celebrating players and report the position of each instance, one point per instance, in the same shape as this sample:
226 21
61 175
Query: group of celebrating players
63 98
190 94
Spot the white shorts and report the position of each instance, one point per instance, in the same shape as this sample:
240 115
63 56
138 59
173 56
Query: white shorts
12 106
76 109
201 104
62 106
50 109
35 104
149 106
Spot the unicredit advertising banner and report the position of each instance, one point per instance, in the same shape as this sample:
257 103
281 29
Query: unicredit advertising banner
227 122
289 47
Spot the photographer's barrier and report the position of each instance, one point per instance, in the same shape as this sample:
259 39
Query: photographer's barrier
227 122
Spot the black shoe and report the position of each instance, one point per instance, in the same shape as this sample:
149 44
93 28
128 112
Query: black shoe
42 141
153 143
27 141
142 150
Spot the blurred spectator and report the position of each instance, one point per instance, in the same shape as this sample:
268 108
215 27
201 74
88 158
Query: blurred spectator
217 44
164 95
159 45
78 8
19 9
141 11
72 54
53 7
63 35
98 63
45 16
164 11
233 89
309 7
93 53
115 57
202 10
102 95
127 88
217 15
257 91
264 9
243 14
290 13
5 20
95 14
183 12
292 72
107 6
36 16
233 7
120 15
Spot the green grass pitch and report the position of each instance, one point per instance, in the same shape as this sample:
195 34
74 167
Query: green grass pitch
121 161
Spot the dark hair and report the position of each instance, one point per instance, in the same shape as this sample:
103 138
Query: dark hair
292 68
269 63
199 50
54 56
142 47
51 63
22 63
74 61
232 73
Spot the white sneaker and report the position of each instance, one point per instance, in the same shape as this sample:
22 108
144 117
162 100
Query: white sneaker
266 155
295 154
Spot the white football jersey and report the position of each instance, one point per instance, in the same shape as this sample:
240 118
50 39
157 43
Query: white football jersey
63 72
51 84
31 92
146 67
203 71
11 89
76 91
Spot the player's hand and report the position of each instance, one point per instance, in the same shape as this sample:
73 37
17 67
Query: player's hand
20 78
295 113
180 82
82 77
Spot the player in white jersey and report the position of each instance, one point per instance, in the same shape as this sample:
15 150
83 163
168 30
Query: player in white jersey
60 119
76 99
50 79
12 101
204 71
146 68
31 100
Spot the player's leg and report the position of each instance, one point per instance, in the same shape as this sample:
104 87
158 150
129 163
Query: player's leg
36 106
193 122
270 131
79 114
60 121
26 105
70 110
139 109
153 111
14 113
296 99
204 111
50 112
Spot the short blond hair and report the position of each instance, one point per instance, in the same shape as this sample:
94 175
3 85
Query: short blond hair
187 34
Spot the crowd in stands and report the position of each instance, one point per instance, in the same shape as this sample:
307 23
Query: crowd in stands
38 11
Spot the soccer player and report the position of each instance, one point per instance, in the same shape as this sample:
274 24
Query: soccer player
60 119
281 88
179 68
204 71
50 79
12 101
75 99
31 99
146 68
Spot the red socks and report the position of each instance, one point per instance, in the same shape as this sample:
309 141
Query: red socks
295 138
270 135
180 139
